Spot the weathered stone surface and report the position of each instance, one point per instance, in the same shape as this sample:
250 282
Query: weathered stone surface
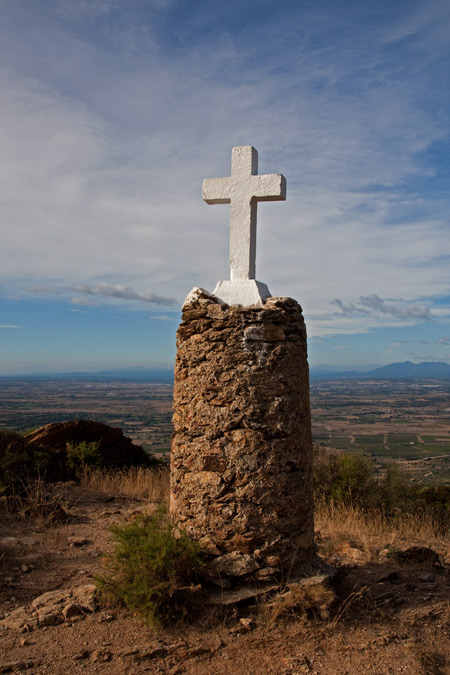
241 465
86 597
52 608
72 611
19 620
50 616
235 564
49 599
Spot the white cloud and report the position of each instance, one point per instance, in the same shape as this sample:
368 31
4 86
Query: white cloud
8 325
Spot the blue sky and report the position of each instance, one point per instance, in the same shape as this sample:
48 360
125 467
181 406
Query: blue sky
112 112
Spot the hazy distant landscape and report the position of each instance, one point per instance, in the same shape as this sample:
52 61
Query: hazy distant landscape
143 410
400 420
405 420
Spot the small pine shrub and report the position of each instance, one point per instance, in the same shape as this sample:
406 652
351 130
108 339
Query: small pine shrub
153 570
83 454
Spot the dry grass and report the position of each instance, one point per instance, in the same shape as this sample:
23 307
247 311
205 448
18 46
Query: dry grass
135 482
298 602
432 663
35 503
368 531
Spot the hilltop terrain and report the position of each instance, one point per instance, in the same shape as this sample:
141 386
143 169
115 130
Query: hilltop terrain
391 613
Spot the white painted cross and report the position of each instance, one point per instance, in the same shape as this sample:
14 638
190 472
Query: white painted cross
243 190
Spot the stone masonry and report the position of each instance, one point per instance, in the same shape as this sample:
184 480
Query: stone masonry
241 465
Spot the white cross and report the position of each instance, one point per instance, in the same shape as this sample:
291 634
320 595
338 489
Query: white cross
243 190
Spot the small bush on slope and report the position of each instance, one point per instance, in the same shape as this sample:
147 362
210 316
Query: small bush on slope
81 455
153 570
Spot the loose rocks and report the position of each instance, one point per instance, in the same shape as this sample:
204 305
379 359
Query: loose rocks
52 608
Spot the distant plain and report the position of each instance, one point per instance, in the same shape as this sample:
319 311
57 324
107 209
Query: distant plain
390 420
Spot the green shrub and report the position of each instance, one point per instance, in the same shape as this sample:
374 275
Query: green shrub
345 478
153 570
396 491
83 454
355 482
326 472
350 479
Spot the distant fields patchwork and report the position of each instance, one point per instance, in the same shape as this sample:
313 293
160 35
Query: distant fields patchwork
407 422
404 445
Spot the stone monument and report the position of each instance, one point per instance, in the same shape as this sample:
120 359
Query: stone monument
241 463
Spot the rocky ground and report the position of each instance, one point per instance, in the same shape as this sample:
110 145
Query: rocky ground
391 615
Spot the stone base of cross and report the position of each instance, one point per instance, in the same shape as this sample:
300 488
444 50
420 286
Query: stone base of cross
243 190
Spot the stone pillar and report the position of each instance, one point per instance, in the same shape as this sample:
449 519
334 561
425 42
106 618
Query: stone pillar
241 465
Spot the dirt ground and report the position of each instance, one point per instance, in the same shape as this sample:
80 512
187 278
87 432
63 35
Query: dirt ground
390 616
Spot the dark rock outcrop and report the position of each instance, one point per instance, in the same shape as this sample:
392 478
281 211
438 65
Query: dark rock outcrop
115 448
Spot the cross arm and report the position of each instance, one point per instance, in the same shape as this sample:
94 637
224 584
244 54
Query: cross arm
216 190
269 187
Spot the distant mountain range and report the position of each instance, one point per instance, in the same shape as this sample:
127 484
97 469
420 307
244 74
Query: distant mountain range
394 371
434 370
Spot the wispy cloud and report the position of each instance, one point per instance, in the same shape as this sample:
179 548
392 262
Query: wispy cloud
349 309
122 292
162 317
405 313
83 301
43 290
105 290
373 305
8 325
